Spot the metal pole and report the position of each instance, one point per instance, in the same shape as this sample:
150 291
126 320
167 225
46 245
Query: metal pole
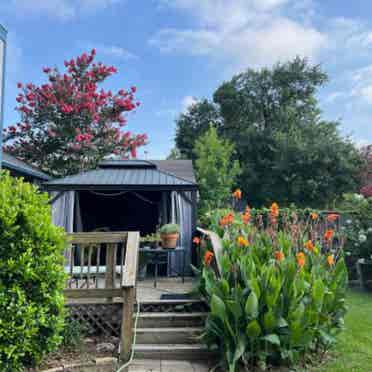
3 33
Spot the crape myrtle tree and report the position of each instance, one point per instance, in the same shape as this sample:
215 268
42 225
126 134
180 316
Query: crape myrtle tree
287 151
69 124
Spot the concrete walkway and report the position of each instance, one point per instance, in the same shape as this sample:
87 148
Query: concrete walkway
157 365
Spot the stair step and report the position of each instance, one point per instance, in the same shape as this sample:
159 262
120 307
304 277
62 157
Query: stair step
174 352
168 320
180 335
178 306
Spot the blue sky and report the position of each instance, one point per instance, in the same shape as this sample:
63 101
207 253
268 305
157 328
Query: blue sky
178 51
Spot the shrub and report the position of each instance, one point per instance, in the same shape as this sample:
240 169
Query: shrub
280 292
31 275
358 225
72 334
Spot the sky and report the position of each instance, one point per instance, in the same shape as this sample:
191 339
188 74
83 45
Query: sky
179 51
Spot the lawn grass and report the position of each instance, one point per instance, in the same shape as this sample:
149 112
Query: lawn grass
353 352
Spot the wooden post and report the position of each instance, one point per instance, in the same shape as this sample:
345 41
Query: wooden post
127 323
110 265
129 295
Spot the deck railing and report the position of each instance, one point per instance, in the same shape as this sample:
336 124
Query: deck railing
104 265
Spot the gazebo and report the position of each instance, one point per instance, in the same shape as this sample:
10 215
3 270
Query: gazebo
129 195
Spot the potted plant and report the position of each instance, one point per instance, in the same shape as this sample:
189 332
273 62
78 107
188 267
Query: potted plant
150 240
169 235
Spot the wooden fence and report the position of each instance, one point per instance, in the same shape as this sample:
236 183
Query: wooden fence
103 265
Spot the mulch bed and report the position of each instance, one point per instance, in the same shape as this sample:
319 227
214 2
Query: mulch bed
83 353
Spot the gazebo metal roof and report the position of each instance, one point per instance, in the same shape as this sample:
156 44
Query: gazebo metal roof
123 175
12 163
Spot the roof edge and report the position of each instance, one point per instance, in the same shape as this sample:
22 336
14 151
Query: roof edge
37 174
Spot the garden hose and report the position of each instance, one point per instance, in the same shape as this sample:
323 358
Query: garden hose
134 340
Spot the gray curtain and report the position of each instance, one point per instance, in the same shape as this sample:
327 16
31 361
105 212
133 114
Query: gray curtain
181 214
63 213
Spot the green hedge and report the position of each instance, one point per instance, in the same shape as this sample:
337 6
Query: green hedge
31 276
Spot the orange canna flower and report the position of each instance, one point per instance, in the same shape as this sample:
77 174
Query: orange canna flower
246 215
279 255
328 235
274 210
196 240
314 216
243 242
208 257
237 194
332 217
227 220
301 260
309 246
331 260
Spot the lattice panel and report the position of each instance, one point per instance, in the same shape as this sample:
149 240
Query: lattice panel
98 318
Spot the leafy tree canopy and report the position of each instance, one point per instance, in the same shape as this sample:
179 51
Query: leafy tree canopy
287 152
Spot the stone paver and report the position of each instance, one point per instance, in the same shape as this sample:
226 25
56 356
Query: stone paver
155 365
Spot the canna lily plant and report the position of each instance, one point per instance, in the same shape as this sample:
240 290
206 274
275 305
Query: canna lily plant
280 292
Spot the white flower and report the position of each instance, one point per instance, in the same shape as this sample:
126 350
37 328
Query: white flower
369 230
362 238
358 196
348 222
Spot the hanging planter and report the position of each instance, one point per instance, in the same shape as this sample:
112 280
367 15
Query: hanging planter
169 235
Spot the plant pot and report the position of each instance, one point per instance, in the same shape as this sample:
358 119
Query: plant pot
365 274
169 241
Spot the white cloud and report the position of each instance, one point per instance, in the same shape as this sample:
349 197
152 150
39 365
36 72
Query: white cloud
244 32
115 51
60 9
361 84
187 102
334 96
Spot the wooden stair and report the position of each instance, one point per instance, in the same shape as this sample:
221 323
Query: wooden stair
172 335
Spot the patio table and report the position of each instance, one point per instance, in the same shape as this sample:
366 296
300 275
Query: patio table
160 256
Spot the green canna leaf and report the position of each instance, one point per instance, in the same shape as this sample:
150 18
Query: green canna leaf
253 329
251 306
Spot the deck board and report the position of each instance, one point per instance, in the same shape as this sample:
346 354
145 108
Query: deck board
146 291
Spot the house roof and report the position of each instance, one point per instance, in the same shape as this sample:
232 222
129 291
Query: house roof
130 175
12 163
180 168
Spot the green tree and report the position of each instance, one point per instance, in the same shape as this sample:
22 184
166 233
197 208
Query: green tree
174 154
287 152
194 123
215 170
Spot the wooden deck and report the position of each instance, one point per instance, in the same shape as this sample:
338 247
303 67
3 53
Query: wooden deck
146 291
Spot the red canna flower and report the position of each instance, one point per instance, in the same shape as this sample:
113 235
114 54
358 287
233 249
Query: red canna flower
328 235
332 217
